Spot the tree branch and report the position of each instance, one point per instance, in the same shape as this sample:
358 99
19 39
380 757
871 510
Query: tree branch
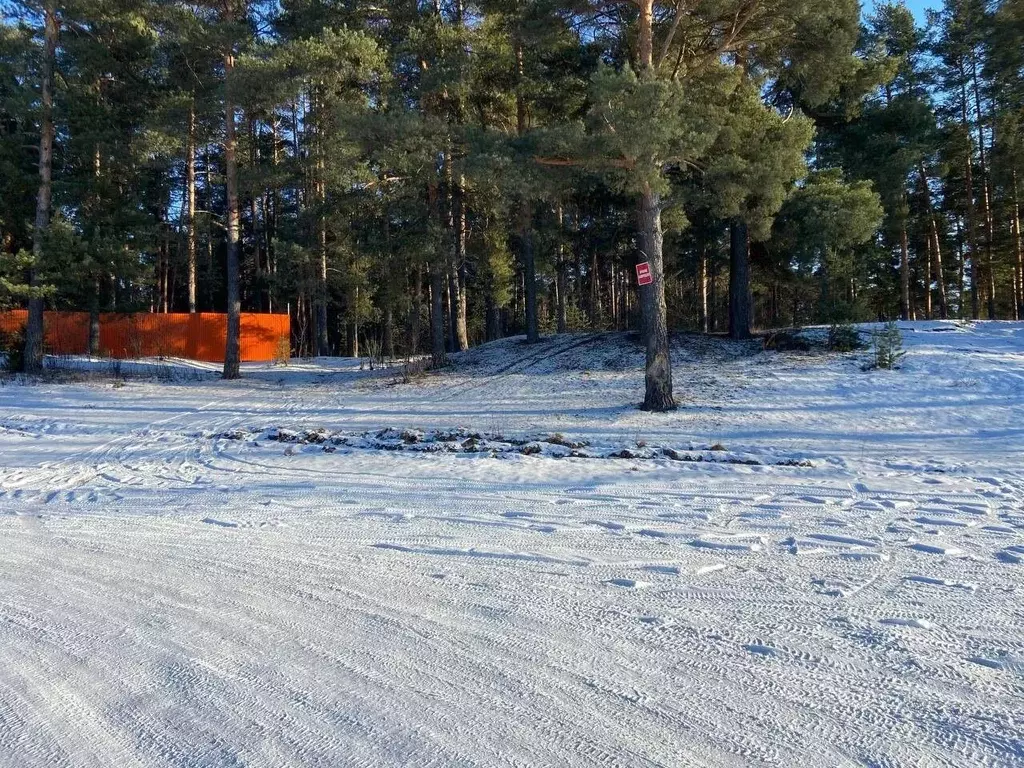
671 34
562 162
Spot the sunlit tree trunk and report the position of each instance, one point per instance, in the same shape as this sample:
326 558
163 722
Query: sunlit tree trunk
934 245
94 299
190 206
988 219
702 291
457 269
34 328
527 254
1018 247
653 310
904 274
232 350
560 281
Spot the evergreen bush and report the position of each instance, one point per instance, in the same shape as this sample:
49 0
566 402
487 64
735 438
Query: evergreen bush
888 347
844 337
12 345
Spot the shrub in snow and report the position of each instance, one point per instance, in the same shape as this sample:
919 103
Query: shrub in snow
12 346
844 337
888 347
786 341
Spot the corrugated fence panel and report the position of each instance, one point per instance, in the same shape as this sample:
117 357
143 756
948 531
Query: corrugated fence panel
265 337
199 336
12 321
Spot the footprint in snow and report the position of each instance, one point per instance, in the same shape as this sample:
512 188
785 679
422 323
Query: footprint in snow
914 623
1011 555
669 570
941 582
607 524
626 583
997 664
937 549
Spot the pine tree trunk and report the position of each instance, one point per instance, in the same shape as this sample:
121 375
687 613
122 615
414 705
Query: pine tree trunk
824 280
934 246
389 332
190 206
458 267
614 305
168 285
416 311
581 259
904 275
970 238
653 311
526 244
232 350
961 258
437 335
490 332
645 41
323 346
437 286
529 260
940 279
560 281
495 323
739 281
702 291
986 198
561 319
457 310
208 204
94 299
1018 247
34 328
270 229
310 323
352 329
94 319
991 287
712 298
254 205
928 281
452 295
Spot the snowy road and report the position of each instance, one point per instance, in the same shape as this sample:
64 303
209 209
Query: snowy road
177 588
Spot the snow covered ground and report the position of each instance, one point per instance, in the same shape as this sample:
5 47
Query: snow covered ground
807 564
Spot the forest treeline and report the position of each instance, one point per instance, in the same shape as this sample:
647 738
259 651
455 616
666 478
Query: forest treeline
417 176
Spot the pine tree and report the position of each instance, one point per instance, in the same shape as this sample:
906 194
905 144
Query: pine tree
453 172
34 328
820 227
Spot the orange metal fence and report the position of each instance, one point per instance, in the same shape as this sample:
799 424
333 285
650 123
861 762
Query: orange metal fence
199 336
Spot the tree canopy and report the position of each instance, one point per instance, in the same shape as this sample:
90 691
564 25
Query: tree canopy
412 177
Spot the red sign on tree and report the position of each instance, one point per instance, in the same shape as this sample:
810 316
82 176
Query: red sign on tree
643 273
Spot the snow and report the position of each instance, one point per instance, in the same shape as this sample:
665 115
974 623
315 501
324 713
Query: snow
806 564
